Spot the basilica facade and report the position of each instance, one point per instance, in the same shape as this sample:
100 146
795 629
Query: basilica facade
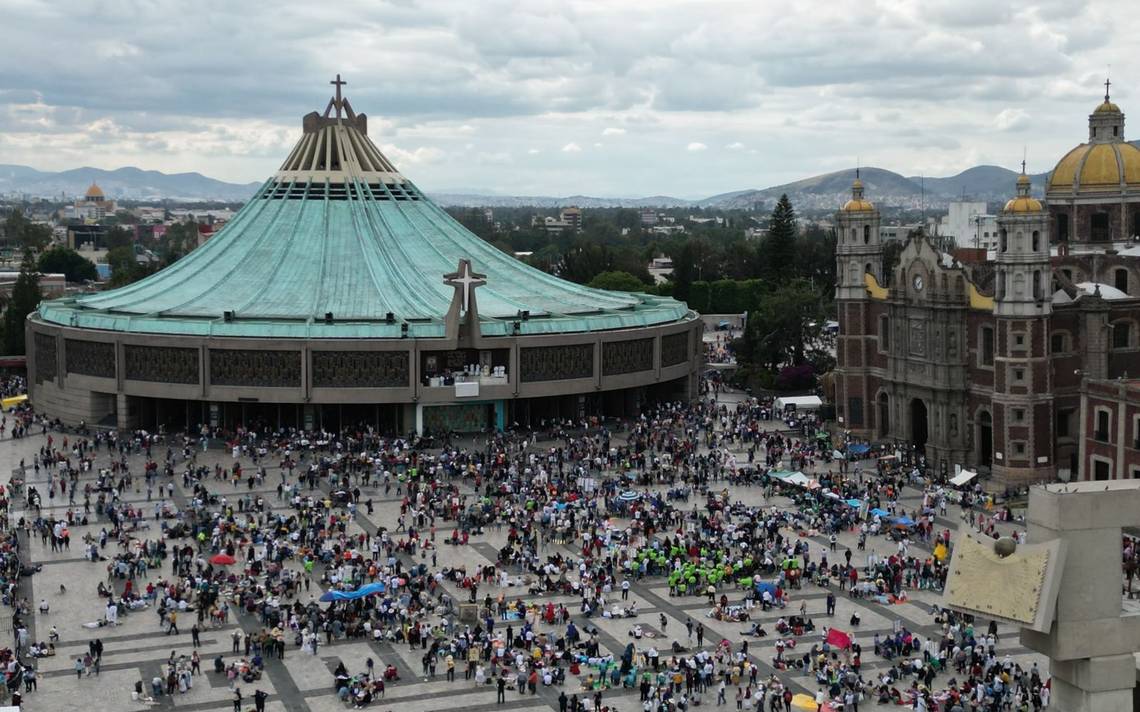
982 363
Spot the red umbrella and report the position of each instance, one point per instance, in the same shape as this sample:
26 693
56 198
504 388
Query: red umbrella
222 559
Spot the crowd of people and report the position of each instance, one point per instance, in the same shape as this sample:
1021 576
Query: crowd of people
582 510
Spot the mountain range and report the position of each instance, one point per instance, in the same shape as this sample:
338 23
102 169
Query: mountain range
822 192
122 183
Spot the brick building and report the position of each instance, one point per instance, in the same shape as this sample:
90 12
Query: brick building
984 364
1110 429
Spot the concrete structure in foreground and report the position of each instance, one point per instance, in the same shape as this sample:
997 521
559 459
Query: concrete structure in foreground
341 295
1069 600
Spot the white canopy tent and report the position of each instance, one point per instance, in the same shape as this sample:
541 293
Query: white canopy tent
798 403
963 477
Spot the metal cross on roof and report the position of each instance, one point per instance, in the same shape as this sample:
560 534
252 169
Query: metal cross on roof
1107 84
465 281
338 103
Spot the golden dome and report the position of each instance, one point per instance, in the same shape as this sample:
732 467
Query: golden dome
857 206
857 185
94 192
1097 167
1023 205
1105 107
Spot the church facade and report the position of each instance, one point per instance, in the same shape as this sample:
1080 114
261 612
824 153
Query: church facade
982 364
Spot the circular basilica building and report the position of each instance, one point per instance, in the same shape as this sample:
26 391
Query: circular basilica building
340 295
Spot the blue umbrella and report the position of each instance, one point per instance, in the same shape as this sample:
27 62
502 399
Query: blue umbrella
629 496
762 586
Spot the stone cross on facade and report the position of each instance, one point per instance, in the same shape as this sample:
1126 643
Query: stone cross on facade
465 281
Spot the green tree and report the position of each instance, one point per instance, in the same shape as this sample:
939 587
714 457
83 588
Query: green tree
69 262
26 297
119 237
784 330
125 267
779 248
616 281
19 230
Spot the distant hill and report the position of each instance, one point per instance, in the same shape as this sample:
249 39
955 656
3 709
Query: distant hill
122 184
822 192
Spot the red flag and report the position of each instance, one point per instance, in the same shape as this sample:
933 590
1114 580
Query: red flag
838 639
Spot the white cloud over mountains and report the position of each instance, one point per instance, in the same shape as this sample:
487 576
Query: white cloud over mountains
459 91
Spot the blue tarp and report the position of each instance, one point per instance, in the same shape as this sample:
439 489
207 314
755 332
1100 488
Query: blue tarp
854 503
762 586
879 513
905 521
858 449
366 590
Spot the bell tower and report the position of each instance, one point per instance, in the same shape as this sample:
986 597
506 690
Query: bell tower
858 251
1022 392
858 247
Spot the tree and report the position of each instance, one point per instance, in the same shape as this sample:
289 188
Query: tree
119 237
784 330
125 267
779 247
18 229
25 299
73 265
616 281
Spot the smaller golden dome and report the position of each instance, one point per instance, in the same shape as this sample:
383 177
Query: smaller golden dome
857 185
1023 179
95 192
1107 107
857 206
1023 205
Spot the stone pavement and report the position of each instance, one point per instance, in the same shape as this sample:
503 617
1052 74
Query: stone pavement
137 647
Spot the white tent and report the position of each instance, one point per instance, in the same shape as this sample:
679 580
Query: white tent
963 477
798 403
799 479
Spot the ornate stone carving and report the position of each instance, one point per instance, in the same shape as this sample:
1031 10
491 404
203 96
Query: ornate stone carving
674 348
89 358
620 357
261 369
556 363
46 363
360 369
917 338
161 364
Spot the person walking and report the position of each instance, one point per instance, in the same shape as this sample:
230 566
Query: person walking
259 700
79 668
195 642
173 620
502 691
237 699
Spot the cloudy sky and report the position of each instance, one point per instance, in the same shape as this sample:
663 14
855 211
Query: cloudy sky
598 97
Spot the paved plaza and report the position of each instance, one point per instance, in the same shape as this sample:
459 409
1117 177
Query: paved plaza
137 648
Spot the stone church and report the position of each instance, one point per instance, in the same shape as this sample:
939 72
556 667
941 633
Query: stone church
982 363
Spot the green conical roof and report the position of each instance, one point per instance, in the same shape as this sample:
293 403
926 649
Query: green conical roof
338 230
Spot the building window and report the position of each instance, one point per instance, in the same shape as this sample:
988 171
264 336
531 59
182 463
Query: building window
1037 285
1036 240
1102 470
1063 417
1002 240
1098 227
884 334
855 411
1019 375
854 235
1121 280
1068 274
1063 227
1103 423
1136 432
866 234
1019 340
987 346
1121 335
1019 415
1019 449
1057 343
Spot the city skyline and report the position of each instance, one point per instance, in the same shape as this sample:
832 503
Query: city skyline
565 98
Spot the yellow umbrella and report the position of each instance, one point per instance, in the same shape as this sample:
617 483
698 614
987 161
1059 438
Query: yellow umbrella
940 552
805 702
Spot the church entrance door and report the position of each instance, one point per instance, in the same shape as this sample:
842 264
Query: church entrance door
918 424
